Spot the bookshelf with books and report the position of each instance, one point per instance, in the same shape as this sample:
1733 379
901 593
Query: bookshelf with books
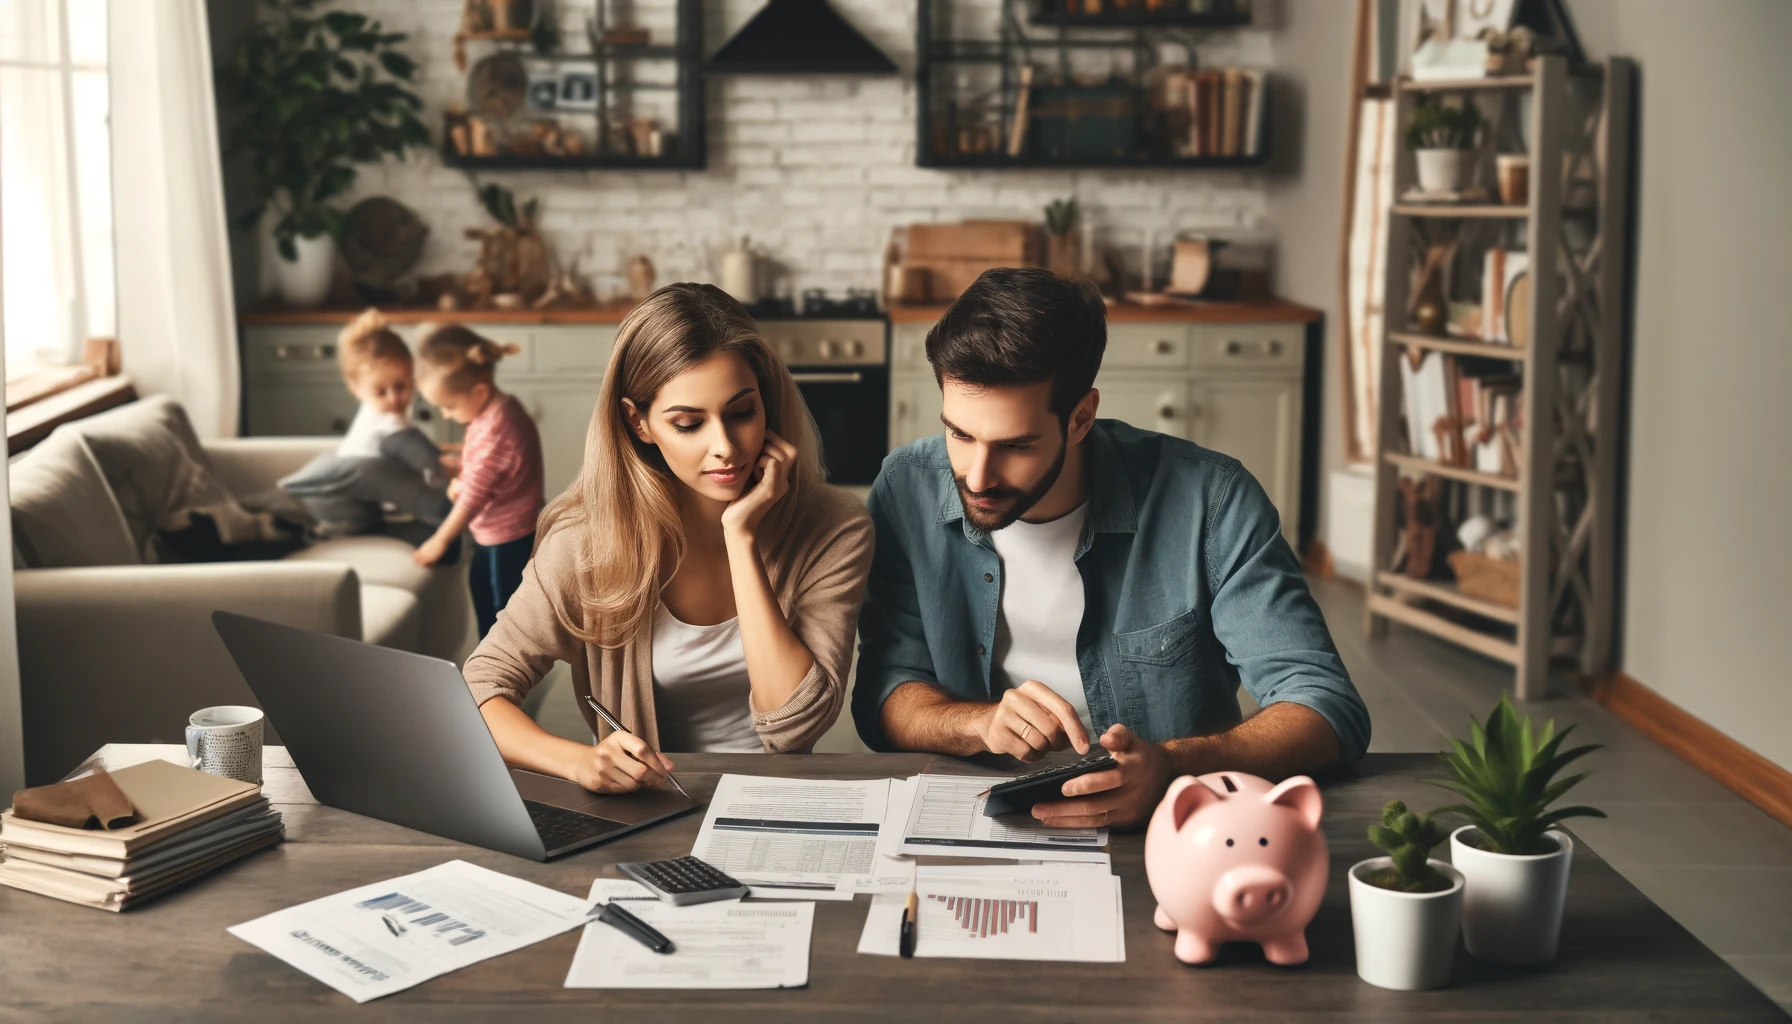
1507 413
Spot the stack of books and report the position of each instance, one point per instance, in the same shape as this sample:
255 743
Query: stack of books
188 824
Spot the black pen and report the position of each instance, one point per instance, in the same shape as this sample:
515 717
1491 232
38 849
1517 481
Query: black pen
905 938
647 935
611 721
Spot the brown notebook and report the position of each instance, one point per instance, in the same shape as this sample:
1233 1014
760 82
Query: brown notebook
168 798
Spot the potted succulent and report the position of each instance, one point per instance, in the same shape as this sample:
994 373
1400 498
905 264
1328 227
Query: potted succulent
1405 908
1514 864
1060 229
1440 137
314 96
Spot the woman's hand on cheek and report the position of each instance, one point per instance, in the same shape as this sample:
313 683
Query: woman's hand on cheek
772 471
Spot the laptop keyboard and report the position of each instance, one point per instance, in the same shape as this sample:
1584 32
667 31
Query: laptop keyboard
560 827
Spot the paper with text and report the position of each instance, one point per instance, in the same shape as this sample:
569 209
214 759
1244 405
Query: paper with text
385 937
794 838
714 945
1001 912
946 819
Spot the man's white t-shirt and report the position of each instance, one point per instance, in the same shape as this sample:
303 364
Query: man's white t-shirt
1042 607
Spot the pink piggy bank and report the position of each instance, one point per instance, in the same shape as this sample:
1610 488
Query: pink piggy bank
1233 859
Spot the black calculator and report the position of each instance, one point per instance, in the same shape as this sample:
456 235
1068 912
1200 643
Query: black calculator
1023 791
684 881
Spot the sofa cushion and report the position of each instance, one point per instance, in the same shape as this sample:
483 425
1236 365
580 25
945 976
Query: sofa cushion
390 617
159 474
63 512
375 557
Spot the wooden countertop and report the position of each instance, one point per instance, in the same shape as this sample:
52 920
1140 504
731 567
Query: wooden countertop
610 313
1271 311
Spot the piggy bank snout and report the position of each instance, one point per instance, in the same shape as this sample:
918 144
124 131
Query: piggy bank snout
1252 892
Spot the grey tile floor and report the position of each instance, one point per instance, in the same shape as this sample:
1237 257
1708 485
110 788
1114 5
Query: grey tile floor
1721 867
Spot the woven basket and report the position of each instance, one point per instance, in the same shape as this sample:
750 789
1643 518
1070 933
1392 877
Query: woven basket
1485 579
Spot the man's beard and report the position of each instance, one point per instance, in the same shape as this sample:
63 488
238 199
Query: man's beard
1023 500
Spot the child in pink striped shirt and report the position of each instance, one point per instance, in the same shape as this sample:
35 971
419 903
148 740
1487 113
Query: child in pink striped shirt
498 494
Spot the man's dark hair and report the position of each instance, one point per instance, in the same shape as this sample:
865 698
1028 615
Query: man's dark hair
1014 327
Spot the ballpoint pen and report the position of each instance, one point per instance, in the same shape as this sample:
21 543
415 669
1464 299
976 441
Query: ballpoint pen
905 937
613 722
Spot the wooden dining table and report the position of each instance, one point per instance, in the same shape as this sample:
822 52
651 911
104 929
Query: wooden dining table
1622 957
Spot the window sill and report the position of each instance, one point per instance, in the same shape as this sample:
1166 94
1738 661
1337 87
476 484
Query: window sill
30 421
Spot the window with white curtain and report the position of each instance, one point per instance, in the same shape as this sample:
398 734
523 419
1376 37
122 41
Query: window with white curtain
55 181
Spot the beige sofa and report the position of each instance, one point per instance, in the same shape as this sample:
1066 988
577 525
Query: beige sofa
116 647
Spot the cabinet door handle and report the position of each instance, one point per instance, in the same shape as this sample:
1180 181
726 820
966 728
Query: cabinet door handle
424 415
338 426
1168 412
326 351
1267 348
901 409
1164 347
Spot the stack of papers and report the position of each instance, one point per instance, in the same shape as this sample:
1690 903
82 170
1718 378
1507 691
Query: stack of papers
727 944
189 824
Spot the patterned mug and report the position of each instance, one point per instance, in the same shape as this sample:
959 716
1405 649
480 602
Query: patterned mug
226 740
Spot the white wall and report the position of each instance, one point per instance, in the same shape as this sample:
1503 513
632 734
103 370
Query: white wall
12 715
1708 554
816 170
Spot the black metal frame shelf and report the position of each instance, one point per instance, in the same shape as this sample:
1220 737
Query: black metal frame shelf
688 83
1015 45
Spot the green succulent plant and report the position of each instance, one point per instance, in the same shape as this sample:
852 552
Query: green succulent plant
1408 839
1061 216
1507 774
500 202
1444 127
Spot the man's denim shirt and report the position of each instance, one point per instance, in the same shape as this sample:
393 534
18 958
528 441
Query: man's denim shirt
1189 590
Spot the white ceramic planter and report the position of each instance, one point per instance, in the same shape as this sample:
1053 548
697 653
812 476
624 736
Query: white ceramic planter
1404 940
1440 170
1512 905
306 280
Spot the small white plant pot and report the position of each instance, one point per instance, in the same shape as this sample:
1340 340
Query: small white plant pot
1404 940
306 280
1512 904
1440 170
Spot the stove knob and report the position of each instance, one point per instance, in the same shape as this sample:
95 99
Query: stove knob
792 348
856 349
828 348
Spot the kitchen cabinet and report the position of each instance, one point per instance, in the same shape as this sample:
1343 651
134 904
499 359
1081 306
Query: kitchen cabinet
1232 387
293 385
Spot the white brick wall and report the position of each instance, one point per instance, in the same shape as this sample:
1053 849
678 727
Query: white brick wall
817 171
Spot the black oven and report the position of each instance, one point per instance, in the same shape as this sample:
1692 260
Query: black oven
842 367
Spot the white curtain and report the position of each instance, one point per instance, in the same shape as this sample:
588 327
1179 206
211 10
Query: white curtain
176 317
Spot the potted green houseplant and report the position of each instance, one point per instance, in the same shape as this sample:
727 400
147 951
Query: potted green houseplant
1514 864
1405 908
1440 137
315 94
1060 229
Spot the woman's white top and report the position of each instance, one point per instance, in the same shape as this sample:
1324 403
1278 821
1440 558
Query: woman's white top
369 428
700 687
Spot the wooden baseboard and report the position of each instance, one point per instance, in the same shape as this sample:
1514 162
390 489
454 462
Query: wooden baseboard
1748 774
1318 562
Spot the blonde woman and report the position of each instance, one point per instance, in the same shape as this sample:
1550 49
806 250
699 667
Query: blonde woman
699 577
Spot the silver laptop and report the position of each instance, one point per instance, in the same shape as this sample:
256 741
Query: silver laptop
396 736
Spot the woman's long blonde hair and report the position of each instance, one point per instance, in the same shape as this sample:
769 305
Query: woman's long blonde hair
624 503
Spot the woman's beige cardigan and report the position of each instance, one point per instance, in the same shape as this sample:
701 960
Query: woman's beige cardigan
817 572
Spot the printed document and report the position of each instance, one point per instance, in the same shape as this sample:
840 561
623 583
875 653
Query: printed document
1002 912
388 936
794 838
728 944
946 819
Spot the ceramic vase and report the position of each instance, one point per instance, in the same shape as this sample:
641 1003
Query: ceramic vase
1404 940
1440 170
1512 903
306 280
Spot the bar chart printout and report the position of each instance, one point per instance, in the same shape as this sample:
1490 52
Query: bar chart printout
982 917
1043 912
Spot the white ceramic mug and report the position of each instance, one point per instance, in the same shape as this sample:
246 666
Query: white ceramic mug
226 740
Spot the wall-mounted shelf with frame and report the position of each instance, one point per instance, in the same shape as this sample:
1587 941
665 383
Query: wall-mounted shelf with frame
1025 100
683 149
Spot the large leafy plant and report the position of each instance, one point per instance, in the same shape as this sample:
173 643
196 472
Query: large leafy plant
1507 774
1408 839
315 94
